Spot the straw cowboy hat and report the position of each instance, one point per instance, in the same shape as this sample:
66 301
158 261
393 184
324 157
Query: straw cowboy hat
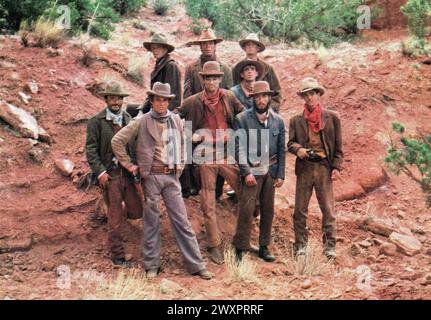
211 68
252 37
309 84
261 87
206 36
159 39
114 88
244 63
161 90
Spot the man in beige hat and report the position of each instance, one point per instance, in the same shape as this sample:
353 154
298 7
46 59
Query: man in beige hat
160 157
259 178
166 69
211 110
116 184
252 47
315 138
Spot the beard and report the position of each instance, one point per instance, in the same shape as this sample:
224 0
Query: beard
262 111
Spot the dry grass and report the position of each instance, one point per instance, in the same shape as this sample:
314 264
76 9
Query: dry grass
128 285
47 34
135 71
243 271
311 262
416 48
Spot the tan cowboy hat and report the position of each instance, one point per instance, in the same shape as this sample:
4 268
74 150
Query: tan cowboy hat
211 68
206 36
161 90
252 37
159 39
246 62
309 84
261 87
114 88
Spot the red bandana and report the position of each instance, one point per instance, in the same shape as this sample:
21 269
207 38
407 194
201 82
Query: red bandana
314 118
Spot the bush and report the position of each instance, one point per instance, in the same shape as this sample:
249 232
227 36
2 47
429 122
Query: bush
128 6
415 47
135 70
95 16
327 22
411 156
418 13
43 33
161 6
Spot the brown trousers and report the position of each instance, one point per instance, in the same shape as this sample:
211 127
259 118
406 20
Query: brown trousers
263 192
208 174
315 176
119 189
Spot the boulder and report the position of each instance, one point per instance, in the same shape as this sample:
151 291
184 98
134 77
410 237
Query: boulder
406 244
15 245
373 178
24 97
169 286
378 226
32 87
388 249
64 166
20 119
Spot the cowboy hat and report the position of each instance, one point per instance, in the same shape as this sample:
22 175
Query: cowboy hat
161 90
114 88
159 39
206 36
261 87
252 37
246 62
309 84
211 68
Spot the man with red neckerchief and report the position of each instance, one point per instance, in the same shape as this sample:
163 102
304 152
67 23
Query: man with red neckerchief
315 138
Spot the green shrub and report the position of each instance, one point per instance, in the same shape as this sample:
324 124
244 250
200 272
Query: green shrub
327 22
128 6
411 156
415 47
161 6
418 13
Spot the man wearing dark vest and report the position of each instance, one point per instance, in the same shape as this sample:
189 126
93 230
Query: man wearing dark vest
116 183
315 138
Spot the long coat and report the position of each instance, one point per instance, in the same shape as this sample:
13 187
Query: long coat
193 82
276 147
330 135
98 142
166 71
267 75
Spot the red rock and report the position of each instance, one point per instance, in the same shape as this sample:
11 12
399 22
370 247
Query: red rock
64 166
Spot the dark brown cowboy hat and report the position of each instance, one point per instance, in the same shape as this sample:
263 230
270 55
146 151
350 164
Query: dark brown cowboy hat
243 63
206 36
261 87
159 39
161 90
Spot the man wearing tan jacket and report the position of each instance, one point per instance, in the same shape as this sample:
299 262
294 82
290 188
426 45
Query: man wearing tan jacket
159 142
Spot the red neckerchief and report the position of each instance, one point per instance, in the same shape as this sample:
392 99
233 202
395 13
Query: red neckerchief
314 118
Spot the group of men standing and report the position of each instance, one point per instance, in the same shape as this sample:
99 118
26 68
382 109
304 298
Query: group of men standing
138 162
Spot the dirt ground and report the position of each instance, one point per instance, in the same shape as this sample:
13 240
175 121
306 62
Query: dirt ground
49 224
